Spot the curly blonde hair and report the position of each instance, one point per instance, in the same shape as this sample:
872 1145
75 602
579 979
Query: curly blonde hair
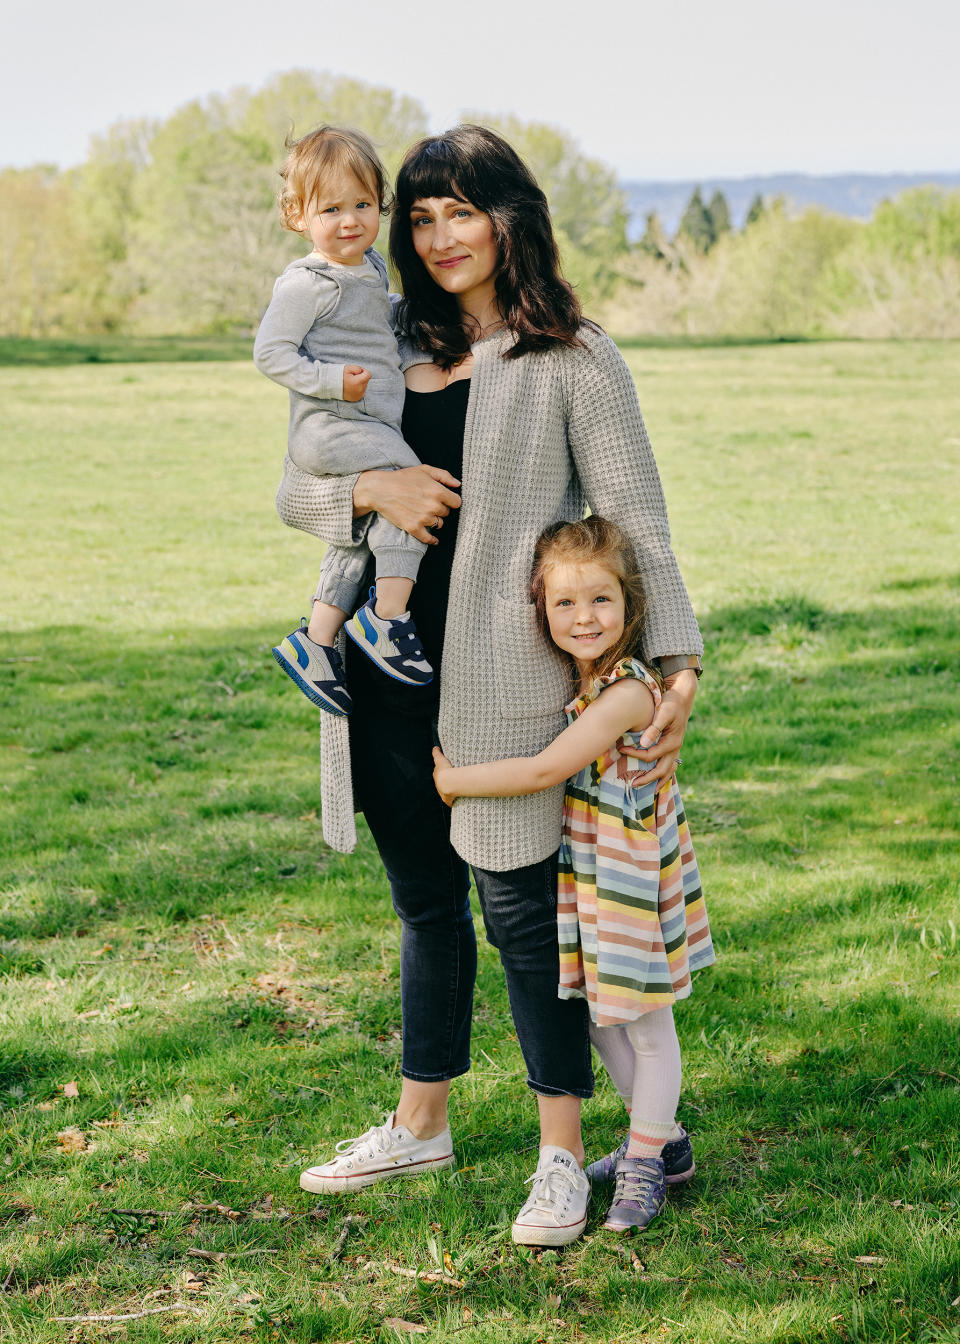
311 161
593 541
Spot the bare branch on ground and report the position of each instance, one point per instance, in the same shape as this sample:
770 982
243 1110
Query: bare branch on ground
132 1315
422 1275
351 1220
217 1256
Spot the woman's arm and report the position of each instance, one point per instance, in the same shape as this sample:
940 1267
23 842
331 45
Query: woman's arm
611 449
413 498
663 737
624 707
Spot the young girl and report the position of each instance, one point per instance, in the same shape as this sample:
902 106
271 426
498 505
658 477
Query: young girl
328 337
631 919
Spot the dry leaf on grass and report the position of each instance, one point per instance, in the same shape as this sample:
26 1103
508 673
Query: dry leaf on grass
70 1090
73 1140
404 1327
868 1260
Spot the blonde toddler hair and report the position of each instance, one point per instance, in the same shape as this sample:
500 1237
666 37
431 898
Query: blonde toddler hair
311 161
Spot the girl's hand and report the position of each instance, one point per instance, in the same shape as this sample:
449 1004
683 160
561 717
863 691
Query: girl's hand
662 740
355 381
414 499
440 765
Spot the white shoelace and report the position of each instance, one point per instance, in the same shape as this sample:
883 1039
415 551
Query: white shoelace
553 1189
377 1139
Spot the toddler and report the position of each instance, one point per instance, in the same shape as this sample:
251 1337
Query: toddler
328 337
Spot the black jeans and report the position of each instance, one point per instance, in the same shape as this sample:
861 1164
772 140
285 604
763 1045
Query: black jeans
392 733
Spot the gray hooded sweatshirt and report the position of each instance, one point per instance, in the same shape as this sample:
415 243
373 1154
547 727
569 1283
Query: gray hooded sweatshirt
321 318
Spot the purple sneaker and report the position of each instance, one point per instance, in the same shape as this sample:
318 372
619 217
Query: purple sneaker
393 645
639 1195
677 1158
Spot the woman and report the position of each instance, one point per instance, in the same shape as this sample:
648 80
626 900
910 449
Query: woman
535 413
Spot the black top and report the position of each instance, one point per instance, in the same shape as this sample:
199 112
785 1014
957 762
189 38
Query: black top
433 425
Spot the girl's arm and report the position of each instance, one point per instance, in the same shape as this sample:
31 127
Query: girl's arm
621 708
300 299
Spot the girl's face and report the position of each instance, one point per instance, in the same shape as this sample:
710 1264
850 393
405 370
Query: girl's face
344 219
456 244
585 609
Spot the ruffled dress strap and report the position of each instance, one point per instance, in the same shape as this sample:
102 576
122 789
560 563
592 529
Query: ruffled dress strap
629 668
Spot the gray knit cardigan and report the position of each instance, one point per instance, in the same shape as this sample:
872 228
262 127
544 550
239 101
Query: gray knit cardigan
546 435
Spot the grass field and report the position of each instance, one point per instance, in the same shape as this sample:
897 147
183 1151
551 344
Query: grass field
197 996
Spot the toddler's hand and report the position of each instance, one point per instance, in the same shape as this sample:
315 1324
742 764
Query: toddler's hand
355 381
440 764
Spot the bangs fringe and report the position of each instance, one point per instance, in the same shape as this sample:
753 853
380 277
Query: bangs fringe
430 172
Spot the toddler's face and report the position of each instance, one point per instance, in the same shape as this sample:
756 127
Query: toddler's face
344 219
585 609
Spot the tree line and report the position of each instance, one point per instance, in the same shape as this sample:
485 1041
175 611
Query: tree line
789 273
170 227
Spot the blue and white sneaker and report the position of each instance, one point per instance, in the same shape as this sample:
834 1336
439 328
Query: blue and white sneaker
392 643
316 668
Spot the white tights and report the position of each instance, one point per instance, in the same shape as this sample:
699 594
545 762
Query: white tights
643 1061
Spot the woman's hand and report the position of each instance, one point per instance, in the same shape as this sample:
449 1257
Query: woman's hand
441 764
413 498
662 740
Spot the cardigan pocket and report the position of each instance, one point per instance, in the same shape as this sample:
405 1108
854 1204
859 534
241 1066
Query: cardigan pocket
531 678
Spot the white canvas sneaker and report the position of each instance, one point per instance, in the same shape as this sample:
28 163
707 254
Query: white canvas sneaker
556 1212
380 1154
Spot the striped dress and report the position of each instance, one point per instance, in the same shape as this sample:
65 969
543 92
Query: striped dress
631 920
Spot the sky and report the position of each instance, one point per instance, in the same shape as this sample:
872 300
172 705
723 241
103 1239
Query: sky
676 89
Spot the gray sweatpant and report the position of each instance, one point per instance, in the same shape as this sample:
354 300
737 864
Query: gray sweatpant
396 553
355 442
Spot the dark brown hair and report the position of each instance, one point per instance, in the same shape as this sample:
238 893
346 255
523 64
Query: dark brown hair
593 541
476 166
311 160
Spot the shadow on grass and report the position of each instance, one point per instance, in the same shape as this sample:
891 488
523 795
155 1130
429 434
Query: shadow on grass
714 342
160 782
157 776
123 350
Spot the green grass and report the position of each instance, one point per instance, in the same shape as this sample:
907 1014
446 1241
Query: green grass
177 942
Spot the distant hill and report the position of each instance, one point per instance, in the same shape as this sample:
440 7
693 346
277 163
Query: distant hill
853 194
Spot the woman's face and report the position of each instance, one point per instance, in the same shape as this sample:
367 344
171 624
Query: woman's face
456 244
